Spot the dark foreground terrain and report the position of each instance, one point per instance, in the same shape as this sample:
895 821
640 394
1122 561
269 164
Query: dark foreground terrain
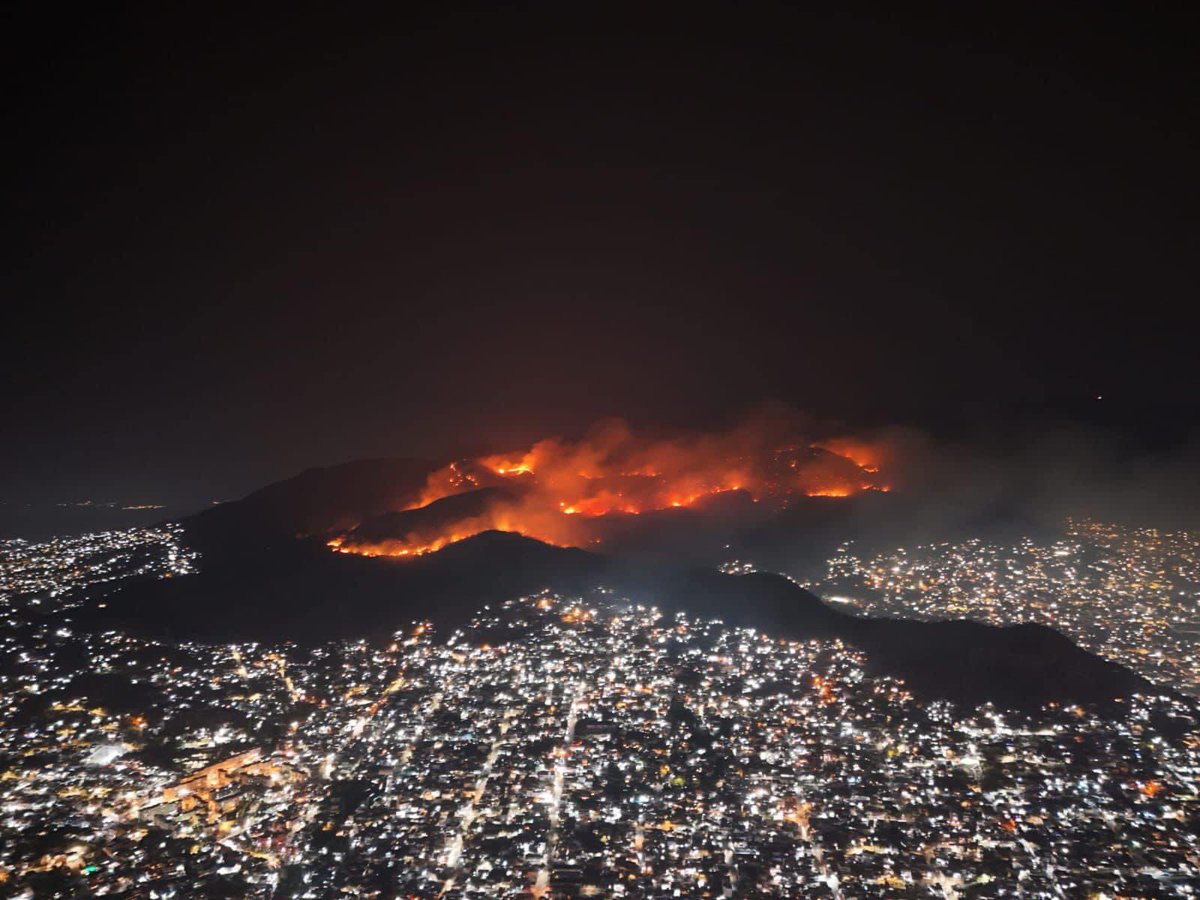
300 591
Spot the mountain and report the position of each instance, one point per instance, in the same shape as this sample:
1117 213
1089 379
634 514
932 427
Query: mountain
298 590
267 574
1019 666
430 519
304 592
315 502
1016 666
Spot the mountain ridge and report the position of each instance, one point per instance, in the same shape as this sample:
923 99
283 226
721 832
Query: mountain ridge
300 591
266 573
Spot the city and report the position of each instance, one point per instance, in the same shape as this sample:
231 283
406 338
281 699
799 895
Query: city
553 451
1129 594
554 747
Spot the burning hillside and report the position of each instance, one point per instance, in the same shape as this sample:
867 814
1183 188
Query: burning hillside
557 490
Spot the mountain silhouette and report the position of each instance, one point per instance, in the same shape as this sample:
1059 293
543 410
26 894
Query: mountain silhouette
318 501
257 583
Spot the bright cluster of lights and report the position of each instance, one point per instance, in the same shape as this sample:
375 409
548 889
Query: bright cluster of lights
563 746
1130 594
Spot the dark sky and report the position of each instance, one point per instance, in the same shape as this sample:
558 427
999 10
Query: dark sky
244 244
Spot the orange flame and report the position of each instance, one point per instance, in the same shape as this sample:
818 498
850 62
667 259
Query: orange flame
550 490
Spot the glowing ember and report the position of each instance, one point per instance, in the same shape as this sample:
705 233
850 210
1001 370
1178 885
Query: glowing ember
840 491
549 491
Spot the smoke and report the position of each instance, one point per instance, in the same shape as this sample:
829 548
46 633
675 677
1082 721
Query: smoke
558 489
996 485
779 488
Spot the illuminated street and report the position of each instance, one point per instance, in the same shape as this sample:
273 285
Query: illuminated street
555 747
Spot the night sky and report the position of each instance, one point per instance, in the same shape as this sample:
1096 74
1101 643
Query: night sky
245 244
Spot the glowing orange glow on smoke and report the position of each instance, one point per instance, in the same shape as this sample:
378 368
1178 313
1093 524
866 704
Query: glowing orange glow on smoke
505 465
550 490
447 481
867 457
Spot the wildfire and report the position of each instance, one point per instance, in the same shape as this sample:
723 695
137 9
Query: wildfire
551 490
840 491
864 455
